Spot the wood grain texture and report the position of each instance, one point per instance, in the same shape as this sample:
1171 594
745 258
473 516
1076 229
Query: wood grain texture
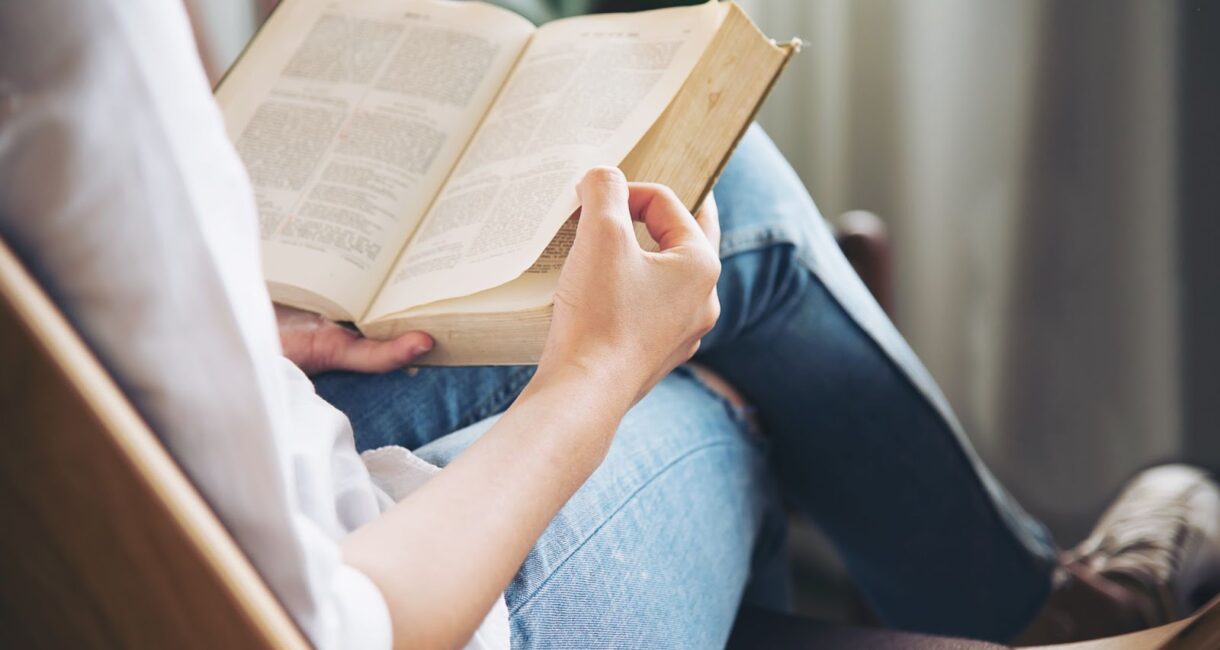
106 543
1200 631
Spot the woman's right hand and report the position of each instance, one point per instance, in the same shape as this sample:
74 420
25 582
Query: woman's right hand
623 318
623 315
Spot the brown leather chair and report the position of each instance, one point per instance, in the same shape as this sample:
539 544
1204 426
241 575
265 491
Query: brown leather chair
865 242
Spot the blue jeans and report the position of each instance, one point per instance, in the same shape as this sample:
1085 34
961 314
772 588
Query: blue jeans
683 521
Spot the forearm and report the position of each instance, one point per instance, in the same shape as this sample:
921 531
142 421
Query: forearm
443 555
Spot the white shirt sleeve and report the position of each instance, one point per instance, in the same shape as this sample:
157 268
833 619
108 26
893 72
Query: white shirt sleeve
121 191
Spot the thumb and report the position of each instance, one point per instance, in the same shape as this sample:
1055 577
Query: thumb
368 355
340 349
603 201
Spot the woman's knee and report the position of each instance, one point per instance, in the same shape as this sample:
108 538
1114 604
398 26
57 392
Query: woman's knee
656 549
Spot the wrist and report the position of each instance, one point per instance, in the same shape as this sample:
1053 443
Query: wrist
588 377
574 410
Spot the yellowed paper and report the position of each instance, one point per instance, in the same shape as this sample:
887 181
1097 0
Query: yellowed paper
584 92
363 110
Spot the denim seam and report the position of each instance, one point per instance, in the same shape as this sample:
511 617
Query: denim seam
771 235
754 239
1016 536
652 479
764 237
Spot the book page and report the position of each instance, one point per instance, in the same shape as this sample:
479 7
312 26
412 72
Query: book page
584 92
532 289
349 115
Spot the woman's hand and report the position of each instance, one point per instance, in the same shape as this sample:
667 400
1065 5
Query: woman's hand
623 318
318 345
624 314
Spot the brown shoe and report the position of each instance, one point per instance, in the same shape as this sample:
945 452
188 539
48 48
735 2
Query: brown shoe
1153 558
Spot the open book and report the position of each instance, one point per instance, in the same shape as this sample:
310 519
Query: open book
415 161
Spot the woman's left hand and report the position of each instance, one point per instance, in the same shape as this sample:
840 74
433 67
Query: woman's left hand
318 345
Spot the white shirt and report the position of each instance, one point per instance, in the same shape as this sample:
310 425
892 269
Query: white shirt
120 190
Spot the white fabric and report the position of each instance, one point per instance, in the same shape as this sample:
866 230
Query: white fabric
119 189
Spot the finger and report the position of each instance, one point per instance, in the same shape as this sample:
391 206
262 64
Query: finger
667 220
708 218
603 201
346 350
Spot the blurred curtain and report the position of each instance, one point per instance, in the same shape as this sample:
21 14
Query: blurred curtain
1199 229
1023 155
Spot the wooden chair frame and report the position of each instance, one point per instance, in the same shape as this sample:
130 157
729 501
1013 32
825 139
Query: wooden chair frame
106 543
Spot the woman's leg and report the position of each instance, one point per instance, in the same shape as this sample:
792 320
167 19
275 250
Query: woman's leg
863 440
655 550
